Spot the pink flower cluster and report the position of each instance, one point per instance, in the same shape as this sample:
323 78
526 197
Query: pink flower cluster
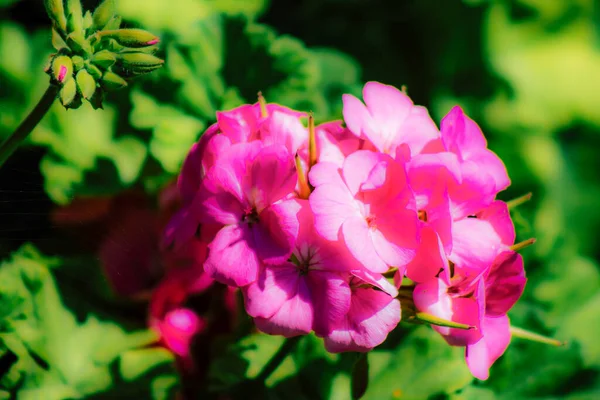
311 222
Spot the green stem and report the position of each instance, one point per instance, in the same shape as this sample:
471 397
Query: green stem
534 337
9 146
278 358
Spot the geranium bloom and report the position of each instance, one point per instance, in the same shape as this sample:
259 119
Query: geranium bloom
389 119
244 192
367 204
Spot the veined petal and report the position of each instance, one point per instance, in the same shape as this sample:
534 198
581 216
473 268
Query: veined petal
481 355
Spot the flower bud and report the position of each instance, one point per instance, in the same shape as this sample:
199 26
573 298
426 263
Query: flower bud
86 84
78 44
74 16
131 37
104 59
68 92
113 23
57 41
62 69
140 61
78 62
111 81
88 20
94 71
56 12
103 14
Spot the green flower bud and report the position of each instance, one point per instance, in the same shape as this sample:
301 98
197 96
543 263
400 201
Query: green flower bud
131 37
78 44
56 12
114 23
86 84
78 62
104 59
88 20
111 81
140 60
62 69
94 71
103 14
68 92
57 41
74 16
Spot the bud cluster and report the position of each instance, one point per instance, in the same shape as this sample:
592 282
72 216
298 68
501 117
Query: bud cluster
93 54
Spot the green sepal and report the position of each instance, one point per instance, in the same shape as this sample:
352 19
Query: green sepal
57 41
113 23
78 62
62 69
56 12
78 43
74 16
111 81
68 92
104 59
88 20
103 14
94 71
86 84
139 60
131 37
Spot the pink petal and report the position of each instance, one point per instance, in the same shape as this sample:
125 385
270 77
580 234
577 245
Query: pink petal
221 198
295 317
276 232
232 258
481 355
417 130
432 297
178 329
330 296
181 228
272 177
332 204
475 244
376 280
191 175
274 286
357 118
238 124
286 129
373 314
335 142
498 216
358 237
489 162
461 135
326 173
504 283
430 258
358 167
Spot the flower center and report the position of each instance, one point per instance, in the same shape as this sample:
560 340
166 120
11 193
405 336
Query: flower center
371 221
423 215
250 216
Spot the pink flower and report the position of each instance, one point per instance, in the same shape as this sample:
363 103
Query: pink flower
481 302
389 119
367 204
310 292
372 315
335 143
245 192
483 173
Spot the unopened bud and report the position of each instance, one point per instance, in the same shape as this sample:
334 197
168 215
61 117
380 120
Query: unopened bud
68 92
94 71
78 43
140 61
74 16
104 59
131 37
113 23
62 69
111 81
78 62
86 84
103 14
56 12
57 41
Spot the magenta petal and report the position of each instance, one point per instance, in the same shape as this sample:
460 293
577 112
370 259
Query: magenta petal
432 297
376 280
274 286
475 244
481 355
498 216
461 135
232 259
325 173
295 317
357 236
286 129
276 231
430 258
178 328
272 177
358 167
332 205
191 175
238 124
331 299
417 130
180 229
357 117
489 162
373 315
504 283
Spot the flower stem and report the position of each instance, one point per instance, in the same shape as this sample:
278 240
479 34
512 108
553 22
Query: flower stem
278 358
11 143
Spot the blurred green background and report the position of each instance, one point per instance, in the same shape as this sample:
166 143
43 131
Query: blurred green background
527 70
